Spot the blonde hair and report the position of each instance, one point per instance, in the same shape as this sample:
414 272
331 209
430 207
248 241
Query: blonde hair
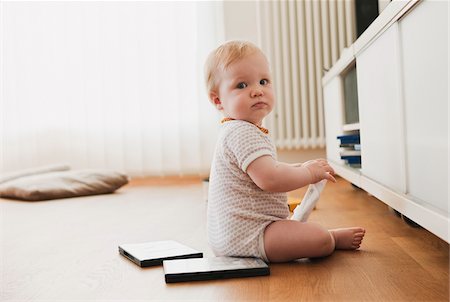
219 59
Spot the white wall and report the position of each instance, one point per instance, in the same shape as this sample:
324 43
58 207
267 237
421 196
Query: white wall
240 18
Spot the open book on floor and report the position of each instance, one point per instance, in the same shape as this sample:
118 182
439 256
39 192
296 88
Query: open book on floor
213 268
153 253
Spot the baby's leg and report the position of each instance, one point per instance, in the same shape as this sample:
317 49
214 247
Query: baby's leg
286 240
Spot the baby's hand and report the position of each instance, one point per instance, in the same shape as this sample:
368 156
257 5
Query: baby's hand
319 169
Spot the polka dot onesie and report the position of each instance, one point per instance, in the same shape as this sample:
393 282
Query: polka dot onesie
238 210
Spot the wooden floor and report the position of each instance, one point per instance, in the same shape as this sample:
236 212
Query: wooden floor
67 250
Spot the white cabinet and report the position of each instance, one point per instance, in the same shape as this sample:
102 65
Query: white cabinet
333 96
425 82
379 87
402 81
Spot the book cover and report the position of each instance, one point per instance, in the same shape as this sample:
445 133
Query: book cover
153 253
213 268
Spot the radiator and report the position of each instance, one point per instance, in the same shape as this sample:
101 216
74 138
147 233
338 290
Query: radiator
302 40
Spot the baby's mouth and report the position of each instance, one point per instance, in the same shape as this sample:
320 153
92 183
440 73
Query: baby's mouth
259 105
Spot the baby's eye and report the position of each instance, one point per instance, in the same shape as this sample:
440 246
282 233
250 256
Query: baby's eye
264 82
241 85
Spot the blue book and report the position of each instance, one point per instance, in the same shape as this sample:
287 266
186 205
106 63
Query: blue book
352 159
349 139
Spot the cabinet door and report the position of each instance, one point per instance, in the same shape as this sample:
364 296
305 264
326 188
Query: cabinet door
424 39
332 96
378 77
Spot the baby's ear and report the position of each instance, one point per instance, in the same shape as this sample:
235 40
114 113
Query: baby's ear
214 99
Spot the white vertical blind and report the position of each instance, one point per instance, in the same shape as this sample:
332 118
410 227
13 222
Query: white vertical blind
114 85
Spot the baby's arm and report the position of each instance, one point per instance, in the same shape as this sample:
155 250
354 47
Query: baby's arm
271 175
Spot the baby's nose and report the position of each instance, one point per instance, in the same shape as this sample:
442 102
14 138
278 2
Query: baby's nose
256 92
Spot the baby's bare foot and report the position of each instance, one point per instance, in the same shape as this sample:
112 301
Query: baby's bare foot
348 238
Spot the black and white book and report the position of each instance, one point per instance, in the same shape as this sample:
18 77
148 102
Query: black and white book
351 146
153 253
213 268
350 152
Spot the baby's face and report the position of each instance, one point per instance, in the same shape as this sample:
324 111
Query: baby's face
245 91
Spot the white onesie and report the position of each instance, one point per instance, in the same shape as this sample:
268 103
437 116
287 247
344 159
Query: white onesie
238 210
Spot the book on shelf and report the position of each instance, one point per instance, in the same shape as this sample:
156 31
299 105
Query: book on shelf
351 146
346 152
352 159
349 139
350 149
356 166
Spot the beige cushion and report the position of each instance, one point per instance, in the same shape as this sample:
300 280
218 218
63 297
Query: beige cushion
63 184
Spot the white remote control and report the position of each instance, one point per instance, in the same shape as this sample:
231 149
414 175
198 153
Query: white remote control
304 209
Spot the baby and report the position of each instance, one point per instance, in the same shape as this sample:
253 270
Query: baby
247 203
